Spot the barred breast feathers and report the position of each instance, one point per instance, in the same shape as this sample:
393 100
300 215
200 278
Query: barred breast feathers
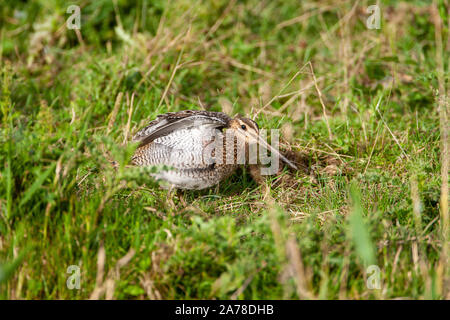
180 139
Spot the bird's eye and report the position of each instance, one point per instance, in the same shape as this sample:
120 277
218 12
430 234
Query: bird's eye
244 127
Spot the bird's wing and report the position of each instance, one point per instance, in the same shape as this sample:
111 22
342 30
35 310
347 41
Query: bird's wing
183 148
167 123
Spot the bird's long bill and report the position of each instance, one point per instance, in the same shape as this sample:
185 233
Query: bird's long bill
272 149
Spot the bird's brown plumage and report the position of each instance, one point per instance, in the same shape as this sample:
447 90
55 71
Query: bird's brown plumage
188 142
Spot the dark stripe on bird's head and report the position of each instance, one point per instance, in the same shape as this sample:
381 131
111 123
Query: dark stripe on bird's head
249 122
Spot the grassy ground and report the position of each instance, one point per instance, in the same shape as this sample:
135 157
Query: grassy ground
367 129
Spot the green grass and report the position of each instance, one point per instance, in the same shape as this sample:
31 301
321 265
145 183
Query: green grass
318 229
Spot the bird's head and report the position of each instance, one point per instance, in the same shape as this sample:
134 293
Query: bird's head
245 129
247 132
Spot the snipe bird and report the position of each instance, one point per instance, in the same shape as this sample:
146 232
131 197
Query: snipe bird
187 143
